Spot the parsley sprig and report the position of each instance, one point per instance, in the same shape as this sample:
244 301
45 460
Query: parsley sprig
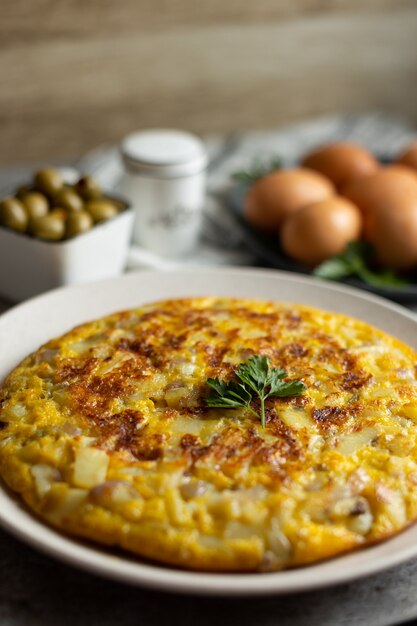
355 261
256 378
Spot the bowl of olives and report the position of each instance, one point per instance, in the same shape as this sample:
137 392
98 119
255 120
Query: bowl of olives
54 232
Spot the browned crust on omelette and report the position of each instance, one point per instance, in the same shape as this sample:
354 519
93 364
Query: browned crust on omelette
106 434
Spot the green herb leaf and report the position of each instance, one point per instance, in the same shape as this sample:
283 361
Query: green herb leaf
257 379
283 390
254 372
258 169
354 261
386 278
227 395
334 269
274 380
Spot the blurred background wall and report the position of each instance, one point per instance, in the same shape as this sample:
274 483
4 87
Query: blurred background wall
77 73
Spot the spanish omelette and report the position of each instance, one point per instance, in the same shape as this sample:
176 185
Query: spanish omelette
106 434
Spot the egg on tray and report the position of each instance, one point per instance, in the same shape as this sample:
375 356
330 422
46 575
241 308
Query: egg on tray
409 156
385 187
341 162
387 190
300 209
320 230
279 194
388 202
392 230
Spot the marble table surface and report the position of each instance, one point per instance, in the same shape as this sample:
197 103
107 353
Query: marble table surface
36 590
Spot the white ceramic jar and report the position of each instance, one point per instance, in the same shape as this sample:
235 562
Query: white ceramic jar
164 179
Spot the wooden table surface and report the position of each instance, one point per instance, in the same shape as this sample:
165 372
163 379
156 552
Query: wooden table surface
77 73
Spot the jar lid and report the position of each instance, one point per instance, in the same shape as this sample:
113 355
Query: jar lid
164 153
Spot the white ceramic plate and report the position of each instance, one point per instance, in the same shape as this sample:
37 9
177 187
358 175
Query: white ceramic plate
27 326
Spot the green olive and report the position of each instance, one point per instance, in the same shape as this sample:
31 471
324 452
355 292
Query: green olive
48 181
88 188
59 212
78 223
68 199
36 204
101 210
23 190
49 226
13 214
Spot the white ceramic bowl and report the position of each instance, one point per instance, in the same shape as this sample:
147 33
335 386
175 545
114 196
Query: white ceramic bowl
31 324
30 266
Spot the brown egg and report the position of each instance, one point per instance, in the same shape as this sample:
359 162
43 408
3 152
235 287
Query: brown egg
393 232
341 162
388 188
409 156
321 230
275 196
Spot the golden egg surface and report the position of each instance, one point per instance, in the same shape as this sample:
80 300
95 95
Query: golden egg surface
106 435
